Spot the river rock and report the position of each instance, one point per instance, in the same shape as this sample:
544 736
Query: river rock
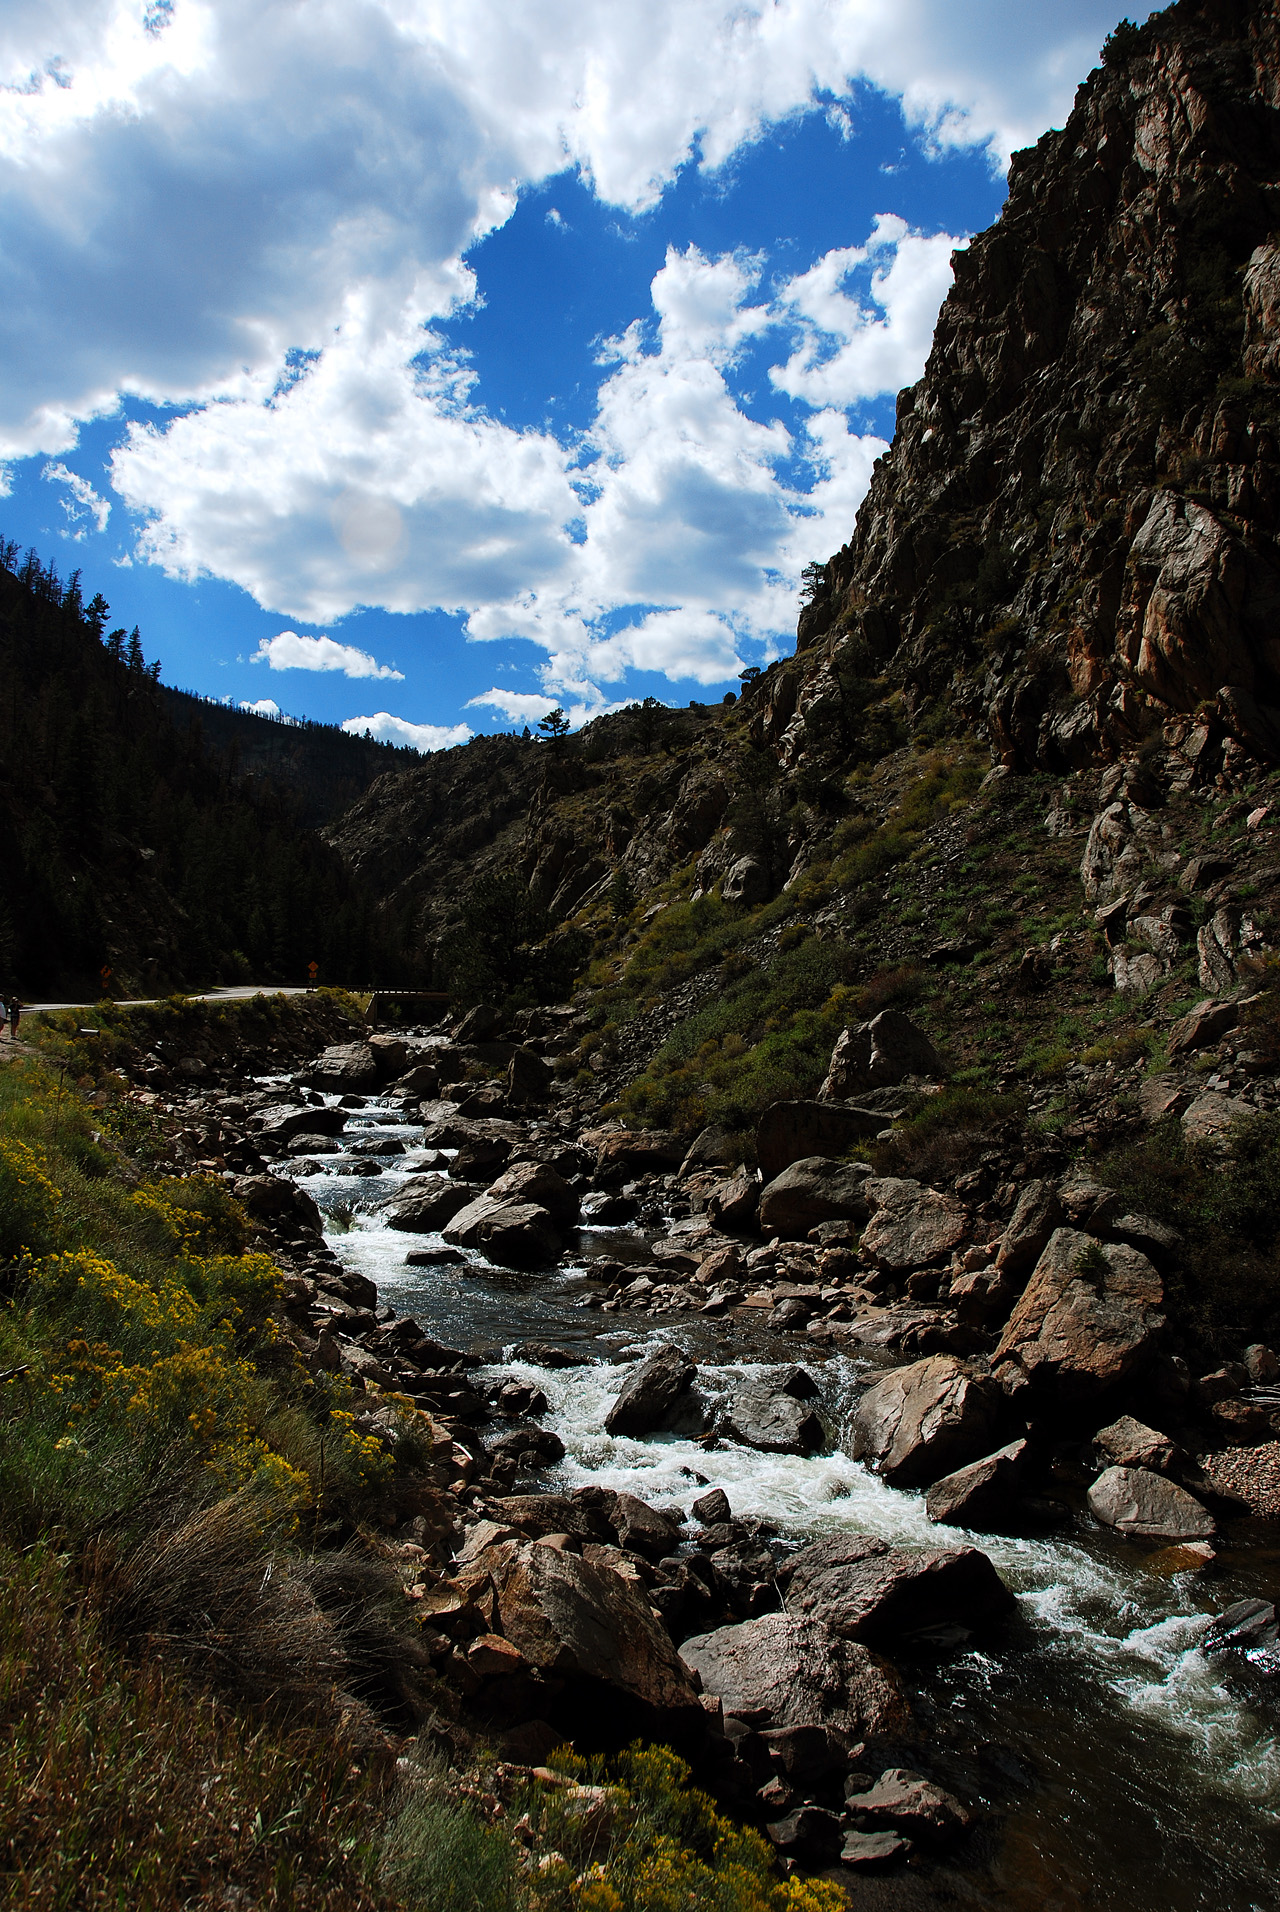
651 1392
1036 1214
1129 1443
638 1151
280 1125
423 1208
577 1622
811 1834
864 1589
528 1077
920 1422
775 1416
908 1802
640 1528
537 1183
732 1205
713 1508
1149 1506
1088 1318
911 1226
865 1851
787 1670
347 1066
812 1190
877 1055
982 1495
1247 1627
273 1198
515 1234
787 1132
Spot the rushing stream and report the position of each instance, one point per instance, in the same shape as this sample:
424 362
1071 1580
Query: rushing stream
1129 1771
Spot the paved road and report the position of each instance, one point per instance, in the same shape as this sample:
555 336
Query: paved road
239 994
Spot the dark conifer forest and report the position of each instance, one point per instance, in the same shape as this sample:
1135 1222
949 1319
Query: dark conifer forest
130 842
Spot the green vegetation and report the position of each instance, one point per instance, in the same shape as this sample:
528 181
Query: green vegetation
949 1133
1224 1289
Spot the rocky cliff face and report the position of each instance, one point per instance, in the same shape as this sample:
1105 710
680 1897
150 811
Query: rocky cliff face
1072 541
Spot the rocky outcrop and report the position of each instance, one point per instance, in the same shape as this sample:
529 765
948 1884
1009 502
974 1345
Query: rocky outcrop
1088 1319
813 1190
1072 538
1148 1506
877 1055
864 1589
984 1494
780 1670
651 1393
911 1226
920 1422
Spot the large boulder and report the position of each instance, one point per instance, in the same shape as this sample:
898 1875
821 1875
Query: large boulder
789 1131
1036 1214
864 1589
1148 1506
423 1207
1088 1318
776 1416
537 1182
638 1152
877 1055
905 1801
786 1670
812 1190
911 1226
280 1125
581 1623
528 1077
981 1495
733 1205
920 1422
514 1234
746 881
348 1066
651 1392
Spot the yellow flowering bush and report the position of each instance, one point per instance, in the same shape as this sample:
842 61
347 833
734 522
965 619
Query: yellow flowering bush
28 1200
669 1849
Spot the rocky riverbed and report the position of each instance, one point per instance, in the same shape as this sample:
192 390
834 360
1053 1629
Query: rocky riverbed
884 1502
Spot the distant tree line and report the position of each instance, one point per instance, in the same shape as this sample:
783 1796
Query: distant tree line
128 841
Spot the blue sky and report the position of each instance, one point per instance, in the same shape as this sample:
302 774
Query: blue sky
429 362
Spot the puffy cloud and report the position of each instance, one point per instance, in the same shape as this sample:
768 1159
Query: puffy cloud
289 652
850 350
522 707
207 207
83 506
264 707
395 730
365 482
191 190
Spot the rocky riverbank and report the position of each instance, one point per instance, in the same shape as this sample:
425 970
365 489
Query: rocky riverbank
1006 1342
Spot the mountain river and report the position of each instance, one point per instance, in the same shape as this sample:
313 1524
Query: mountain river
1125 1769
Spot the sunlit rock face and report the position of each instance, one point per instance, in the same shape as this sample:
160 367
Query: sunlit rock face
1072 539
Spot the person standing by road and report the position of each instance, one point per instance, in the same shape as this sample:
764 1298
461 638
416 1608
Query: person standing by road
4 1012
15 1010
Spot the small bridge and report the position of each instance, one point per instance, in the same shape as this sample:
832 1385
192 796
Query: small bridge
384 1003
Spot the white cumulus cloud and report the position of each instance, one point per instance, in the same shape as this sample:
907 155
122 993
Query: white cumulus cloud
854 347
396 730
263 707
84 506
289 652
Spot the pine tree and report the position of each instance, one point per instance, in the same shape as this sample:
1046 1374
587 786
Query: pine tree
133 657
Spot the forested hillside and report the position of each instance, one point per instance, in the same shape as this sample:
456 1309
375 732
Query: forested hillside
128 843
